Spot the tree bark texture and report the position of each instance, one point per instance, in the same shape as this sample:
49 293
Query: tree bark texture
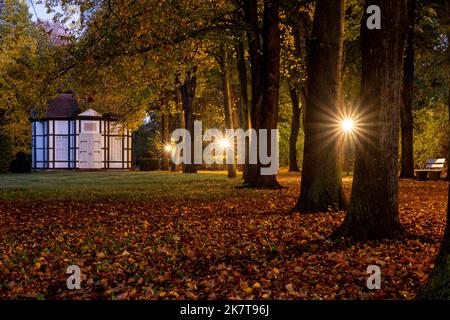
227 102
295 128
406 110
373 208
244 112
187 90
321 186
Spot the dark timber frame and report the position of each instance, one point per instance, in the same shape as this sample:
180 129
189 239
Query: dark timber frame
47 139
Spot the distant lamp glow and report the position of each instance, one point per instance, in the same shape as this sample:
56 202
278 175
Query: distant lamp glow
347 125
224 143
168 148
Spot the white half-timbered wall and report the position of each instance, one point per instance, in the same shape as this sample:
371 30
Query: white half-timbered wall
56 144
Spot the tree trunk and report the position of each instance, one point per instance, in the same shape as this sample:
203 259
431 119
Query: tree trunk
244 114
226 85
321 186
165 139
265 68
407 165
134 160
303 101
438 286
295 128
187 90
180 120
268 118
254 43
373 208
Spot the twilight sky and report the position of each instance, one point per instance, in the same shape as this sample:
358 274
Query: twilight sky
41 11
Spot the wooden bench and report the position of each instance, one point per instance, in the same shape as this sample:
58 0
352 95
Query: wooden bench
432 170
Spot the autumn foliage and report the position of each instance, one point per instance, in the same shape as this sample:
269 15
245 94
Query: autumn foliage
228 245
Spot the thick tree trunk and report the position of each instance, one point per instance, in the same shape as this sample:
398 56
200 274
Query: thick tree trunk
255 51
268 117
407 165
295 128
321 187
244 114
438 286
165 139
373 208
187 90
228 107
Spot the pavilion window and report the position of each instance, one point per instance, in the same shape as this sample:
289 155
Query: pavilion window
61 151
115 148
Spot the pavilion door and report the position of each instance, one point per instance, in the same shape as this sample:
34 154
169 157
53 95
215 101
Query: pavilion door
90 151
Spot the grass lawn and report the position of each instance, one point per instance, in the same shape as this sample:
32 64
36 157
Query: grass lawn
140 235
115 185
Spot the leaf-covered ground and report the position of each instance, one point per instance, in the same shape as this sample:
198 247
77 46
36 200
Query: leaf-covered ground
169 236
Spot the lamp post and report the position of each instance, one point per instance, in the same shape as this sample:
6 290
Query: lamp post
347 126
168 149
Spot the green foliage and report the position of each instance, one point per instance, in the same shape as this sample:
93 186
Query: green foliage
432 66
5 151
431 133
131 51
352 52
147 139
284 129
29 70
284 133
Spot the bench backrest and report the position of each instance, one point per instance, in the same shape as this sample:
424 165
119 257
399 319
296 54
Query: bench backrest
435 164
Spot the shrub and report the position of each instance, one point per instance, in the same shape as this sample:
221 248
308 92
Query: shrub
430 133
5 151
22 163
149 164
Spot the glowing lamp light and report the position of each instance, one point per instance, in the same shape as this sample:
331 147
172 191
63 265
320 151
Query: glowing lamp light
347 125
168 148
224 143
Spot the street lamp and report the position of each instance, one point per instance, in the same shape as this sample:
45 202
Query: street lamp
347 126
224 143
168 148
